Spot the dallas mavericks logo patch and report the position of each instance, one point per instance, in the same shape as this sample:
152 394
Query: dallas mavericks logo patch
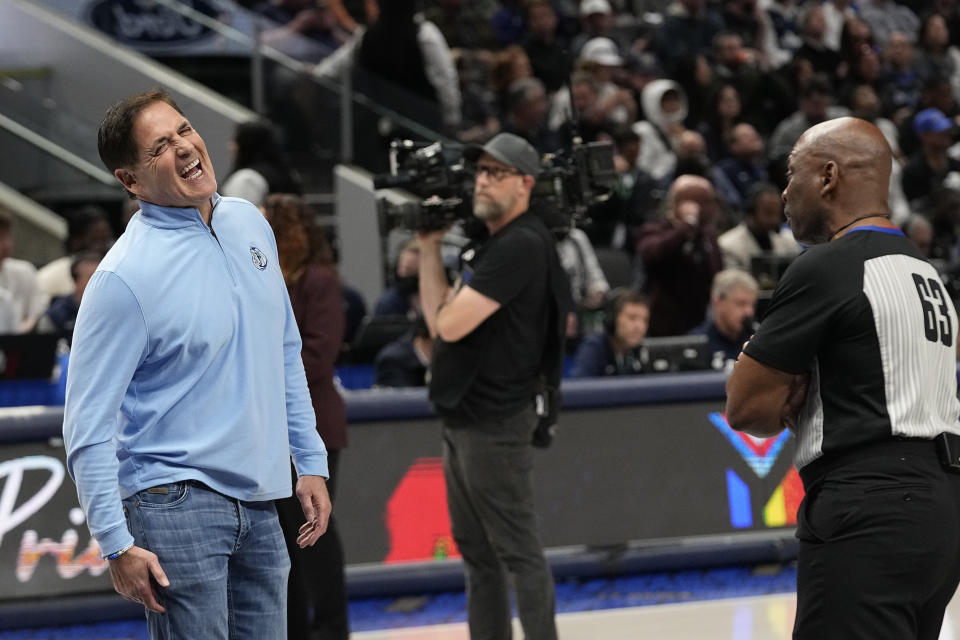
259 260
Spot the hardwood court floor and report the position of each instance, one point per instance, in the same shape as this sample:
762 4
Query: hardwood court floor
753 618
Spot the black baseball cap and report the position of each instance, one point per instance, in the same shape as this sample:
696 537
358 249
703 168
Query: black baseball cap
511 150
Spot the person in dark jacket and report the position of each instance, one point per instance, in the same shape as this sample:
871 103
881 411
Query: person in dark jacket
306 260
405 361
681 256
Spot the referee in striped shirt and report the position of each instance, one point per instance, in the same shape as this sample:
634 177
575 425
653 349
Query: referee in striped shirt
857 356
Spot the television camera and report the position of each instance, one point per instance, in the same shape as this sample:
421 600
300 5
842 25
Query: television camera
439 186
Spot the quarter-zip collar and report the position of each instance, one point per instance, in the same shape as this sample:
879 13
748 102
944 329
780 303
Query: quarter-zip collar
174 217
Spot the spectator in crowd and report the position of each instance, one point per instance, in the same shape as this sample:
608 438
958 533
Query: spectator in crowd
935 94
599 105
865 67
635 199
398 50
480 117
19 278
936 55
835 14
465 24
784 17
813 31
61 315
642 68
761 232
302 29
616 351
601 57
696 78
549 54
865 104
854 36
724 110
901 78
526 115
950 12
688 29
588 285
745 164
609 104
739 66
887 16
931 168
596 20
509 22
816 105
691 152
943 211
764 96
745 18
88 229
664 108
316 596
681 256
733 300
919 231
509 65
405 361
402 297
260 166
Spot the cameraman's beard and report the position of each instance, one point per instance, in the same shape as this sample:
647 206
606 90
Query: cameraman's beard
488 209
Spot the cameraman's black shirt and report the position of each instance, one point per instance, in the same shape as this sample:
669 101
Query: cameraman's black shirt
511 268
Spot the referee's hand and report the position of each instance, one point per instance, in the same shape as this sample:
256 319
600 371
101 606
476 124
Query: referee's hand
132 573
796 398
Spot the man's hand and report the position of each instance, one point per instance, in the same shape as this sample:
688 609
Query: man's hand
132 573
688 212
313 497
431 238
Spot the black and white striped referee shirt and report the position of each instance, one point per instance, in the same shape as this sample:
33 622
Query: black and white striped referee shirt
871 322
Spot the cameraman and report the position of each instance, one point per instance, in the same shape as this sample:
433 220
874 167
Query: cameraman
494 332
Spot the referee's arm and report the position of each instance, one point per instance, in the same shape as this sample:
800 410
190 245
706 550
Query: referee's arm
763 401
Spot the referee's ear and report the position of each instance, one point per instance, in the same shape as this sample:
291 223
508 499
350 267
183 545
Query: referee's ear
830 177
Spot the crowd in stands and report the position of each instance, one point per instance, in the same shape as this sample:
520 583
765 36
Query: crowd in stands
701 100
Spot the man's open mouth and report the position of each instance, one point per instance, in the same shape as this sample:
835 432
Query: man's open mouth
192 171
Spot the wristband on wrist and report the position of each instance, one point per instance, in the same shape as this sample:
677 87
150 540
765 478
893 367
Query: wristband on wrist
117 554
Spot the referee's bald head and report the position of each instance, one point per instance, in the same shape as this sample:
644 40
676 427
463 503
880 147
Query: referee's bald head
838 170
856 145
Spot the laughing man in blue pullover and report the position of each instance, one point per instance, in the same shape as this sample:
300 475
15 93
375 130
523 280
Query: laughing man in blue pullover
186 394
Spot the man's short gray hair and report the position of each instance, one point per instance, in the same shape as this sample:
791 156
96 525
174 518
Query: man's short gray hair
730 279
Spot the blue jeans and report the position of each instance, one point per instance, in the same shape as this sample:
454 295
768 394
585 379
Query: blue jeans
226 561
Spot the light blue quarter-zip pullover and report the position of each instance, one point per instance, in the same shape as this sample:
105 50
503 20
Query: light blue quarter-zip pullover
186 366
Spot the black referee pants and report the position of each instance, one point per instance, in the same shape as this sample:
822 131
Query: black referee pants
879 538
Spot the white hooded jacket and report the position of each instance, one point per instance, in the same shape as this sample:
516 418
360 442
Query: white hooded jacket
656 155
